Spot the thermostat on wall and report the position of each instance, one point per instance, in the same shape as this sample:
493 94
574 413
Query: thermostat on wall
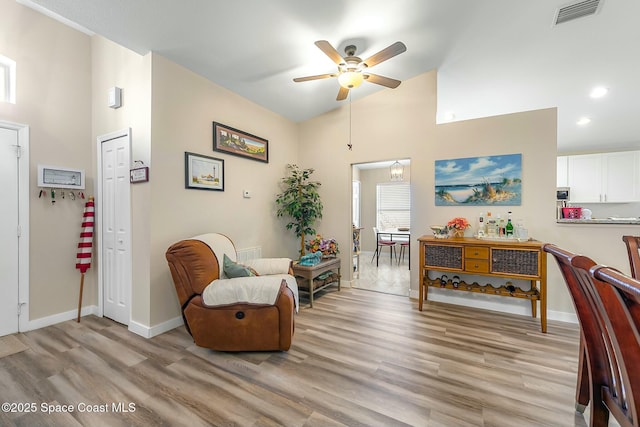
115 97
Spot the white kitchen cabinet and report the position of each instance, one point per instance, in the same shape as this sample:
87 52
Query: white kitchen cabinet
562 176
604 177
584 176
622 175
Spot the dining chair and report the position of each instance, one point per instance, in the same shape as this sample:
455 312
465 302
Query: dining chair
620 298
404 244
606 303
381 243
633 251
590 341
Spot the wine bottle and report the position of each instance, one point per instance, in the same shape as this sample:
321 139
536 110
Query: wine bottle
509 226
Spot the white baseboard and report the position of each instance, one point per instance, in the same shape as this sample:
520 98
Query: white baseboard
135 327
60 317
561 316
488 302
151 331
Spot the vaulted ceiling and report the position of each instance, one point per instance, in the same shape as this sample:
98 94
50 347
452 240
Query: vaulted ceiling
492 56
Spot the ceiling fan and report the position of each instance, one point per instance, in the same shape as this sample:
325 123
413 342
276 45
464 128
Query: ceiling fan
352 71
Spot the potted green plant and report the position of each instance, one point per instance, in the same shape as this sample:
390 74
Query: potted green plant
300 202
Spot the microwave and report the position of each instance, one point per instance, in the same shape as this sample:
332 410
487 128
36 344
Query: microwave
562 193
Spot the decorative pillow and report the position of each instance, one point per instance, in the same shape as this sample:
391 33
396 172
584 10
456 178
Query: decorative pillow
233 269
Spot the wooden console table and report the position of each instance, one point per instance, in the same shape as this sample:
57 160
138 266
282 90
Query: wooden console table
497 258
308 276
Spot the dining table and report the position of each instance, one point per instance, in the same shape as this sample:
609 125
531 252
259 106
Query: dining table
389 233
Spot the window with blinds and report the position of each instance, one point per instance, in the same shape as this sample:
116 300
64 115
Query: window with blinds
7 80
356 203
393 202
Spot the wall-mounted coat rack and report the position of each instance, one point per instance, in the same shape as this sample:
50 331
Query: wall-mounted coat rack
57 177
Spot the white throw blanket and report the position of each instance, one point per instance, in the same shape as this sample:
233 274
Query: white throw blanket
253 290
266 266
262 289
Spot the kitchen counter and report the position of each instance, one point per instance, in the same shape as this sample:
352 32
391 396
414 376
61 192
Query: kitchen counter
619 221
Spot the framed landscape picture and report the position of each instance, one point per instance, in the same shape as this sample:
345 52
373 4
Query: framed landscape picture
203 172
233 141
479 181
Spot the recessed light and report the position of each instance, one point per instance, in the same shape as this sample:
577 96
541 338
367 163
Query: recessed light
583 121
598 92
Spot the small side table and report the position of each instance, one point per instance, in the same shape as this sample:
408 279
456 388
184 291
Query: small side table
307 276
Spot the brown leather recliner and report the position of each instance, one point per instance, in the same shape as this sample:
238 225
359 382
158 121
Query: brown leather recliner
235 326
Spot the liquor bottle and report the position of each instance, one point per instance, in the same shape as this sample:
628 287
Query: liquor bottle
509 227
481 224
491 225
500 226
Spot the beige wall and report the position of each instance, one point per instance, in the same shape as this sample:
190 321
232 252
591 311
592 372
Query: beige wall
401 124
390 124
171 110
54 100
534 135
63 78
184 107
113 65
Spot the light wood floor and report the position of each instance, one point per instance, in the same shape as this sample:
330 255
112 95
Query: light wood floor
359 358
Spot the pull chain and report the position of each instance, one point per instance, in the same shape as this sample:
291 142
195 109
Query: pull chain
350 144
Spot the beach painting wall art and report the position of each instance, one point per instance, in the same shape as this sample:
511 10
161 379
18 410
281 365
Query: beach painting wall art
479 181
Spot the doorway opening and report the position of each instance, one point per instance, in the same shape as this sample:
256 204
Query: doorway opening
381 202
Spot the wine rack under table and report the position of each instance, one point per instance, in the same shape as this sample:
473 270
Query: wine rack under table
509 259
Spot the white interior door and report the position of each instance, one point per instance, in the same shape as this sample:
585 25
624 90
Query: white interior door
9 285
115 220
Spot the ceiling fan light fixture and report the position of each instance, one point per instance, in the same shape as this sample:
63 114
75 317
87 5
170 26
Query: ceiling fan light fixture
350 68
350 79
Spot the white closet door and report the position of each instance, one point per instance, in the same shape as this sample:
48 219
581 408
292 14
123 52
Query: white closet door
116 229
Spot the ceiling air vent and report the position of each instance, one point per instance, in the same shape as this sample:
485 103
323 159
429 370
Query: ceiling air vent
577 10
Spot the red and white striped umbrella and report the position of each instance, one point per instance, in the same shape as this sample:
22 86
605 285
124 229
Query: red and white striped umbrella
85 246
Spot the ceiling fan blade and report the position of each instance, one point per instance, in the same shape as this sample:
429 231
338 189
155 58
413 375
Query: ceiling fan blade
342 94
330 51
382 80
318 77
389 52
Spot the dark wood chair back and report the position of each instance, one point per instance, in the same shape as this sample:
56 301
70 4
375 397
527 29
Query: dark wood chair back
593 371
620 300
607 303
632 243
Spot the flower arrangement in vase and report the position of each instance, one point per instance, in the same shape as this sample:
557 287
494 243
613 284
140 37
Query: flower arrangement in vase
457 226
328 247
